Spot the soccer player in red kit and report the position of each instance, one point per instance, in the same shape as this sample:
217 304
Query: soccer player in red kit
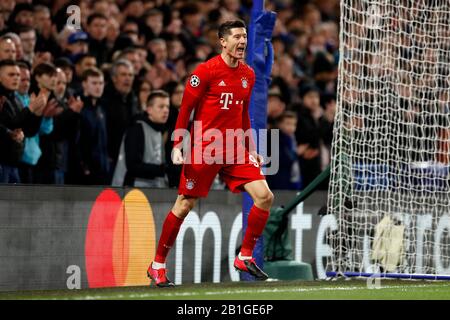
219 92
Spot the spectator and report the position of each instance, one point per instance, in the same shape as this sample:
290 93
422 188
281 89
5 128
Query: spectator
97 31
82 63
22 15
16 122
153 24
288 175
176 90
144 91
121 105
52 165
45 31
67 67
141 161
77 45
32 151
160 74
7 49
131 29
309 133
93 142
17 43
28 39
275 105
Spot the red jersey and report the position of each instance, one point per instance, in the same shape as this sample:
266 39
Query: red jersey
220 96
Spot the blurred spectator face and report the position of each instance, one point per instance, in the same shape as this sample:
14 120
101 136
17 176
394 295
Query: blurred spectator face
25 79
78 47
175 49
202 51
275 106
278 47
61 83
235 43
159 50
113 30
213 39
131 29
135 60
312 16
25 18
84 64
158 109
18 45
7 50
42 56
288 126
101 7
10 77
142 53
47 81
193 21
134 9
317 44
123 79
93 86
155 23
28 41
232 5
98 29
7 6
69 74
42 20
177 96
144 92
311 100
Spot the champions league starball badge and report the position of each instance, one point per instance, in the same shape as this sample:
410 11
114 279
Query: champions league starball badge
195 81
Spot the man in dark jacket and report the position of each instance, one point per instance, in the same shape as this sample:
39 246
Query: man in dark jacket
121 105
93 142
16 122
142 154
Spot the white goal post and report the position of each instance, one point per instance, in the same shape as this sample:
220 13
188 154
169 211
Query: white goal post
390 173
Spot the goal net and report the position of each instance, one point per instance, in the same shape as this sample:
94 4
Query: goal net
389 194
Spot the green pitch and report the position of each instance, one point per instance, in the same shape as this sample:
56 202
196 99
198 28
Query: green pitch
277 290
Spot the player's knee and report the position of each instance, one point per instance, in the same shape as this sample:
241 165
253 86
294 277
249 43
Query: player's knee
182 207
265 199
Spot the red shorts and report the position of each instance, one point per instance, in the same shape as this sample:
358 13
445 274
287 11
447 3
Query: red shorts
196 179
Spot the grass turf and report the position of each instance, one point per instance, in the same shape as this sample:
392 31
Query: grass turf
277 290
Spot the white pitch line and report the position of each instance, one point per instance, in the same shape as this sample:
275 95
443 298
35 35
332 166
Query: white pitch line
253 291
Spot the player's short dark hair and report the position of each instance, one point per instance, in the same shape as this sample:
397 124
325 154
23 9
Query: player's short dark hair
156 94
91 72
224 28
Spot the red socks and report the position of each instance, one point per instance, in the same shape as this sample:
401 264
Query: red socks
257 219
169 233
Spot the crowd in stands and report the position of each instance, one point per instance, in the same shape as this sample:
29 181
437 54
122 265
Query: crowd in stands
79 99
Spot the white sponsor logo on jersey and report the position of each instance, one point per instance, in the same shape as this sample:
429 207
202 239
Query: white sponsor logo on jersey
222 84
